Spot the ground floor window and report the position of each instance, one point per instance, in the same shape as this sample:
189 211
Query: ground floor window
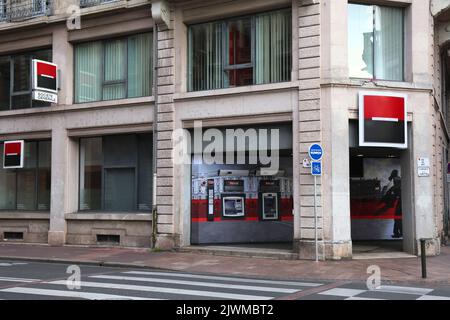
28 188
236 199
116 173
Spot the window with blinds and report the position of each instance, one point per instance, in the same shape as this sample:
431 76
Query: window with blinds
376 42
241 51
114 69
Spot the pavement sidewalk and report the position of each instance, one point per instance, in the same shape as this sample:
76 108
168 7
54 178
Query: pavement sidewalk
392 270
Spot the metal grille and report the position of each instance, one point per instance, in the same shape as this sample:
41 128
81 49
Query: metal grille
20 10
92 3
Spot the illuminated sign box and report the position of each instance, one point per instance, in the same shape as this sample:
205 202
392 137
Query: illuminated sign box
44 81
383 120
13 154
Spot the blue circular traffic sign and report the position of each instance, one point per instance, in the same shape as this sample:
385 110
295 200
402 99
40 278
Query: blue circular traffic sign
315 152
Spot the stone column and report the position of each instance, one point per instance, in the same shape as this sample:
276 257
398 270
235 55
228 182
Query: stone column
165 118
309 120
335 102
64 162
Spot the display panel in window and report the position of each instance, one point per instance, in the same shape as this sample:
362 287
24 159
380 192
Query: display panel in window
114 69
116 173
376 42
248 50
28 188
15 80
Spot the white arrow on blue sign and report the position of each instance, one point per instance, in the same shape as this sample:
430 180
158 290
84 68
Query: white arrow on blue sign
315 152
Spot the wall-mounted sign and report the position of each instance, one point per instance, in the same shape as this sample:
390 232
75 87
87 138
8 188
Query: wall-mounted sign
13 154
448 172
423 167
306 163
44 81
383 120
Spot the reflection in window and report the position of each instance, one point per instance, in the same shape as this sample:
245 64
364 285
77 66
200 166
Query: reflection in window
242 51
116 173
28 188
375 44
15 80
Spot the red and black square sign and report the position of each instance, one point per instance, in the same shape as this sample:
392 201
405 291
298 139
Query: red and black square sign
45 76
13 154
382 120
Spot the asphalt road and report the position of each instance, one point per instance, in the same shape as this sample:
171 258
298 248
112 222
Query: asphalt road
53 281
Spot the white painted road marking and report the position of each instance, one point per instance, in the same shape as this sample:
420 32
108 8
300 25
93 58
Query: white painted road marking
433 298
358 298
342 292
404 290
71 294
178 291
8 279
199 284
195 276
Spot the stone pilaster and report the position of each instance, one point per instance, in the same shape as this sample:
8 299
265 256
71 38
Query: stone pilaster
165 119
309 121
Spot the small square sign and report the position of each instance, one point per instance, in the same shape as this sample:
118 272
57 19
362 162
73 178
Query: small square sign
316 168
13 154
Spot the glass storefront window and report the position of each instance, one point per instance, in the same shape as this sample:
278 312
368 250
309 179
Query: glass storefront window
251 50
114 69
28 188
116 173
90 173
375 42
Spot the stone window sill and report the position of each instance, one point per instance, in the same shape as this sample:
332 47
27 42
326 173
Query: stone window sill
24 215
116 216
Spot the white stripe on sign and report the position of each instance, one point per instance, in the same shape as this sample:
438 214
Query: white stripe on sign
212 294
47 76
70 294
7 279
196 276
198 284
385 119
404 290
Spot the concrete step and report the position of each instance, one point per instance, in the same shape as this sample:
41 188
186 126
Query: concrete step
247 252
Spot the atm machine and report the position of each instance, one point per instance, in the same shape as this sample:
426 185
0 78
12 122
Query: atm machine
233 199
269 200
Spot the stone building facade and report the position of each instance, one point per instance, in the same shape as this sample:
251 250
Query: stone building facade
317 101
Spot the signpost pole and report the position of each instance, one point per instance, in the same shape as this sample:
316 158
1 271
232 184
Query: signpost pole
315 219
316 153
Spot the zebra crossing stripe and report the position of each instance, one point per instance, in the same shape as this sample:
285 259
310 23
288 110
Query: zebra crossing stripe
195 276
404 290
8 279
177 291
198 284
70 294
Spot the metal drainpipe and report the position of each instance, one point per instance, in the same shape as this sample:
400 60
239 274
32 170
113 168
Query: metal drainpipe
155 134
